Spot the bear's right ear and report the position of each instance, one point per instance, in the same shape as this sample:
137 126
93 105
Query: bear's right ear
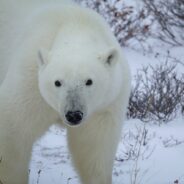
43 57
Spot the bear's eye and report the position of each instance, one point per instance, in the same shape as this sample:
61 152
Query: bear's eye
89 82
57 83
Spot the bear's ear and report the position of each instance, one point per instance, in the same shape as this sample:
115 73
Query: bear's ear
109 57
43 57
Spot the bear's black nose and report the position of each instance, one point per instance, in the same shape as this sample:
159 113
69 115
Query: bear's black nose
74 117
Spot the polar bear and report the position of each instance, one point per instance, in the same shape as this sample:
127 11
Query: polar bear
59 62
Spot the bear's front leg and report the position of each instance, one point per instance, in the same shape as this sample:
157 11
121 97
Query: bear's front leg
14 164
93 147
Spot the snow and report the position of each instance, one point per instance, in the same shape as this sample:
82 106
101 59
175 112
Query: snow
160 160
137 60
51 161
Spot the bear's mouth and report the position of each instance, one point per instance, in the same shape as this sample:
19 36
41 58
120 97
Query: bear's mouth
71 124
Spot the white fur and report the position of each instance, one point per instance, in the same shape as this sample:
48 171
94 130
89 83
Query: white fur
70 44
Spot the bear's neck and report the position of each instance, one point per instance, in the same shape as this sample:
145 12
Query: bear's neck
27 105
20 89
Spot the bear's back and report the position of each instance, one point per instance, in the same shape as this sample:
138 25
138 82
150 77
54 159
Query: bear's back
13 16
27 26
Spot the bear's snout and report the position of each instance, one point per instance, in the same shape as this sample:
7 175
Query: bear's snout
74 117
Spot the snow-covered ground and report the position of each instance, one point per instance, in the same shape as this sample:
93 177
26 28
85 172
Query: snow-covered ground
158 159
147 153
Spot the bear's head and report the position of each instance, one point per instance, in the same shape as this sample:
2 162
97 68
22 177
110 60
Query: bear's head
80 80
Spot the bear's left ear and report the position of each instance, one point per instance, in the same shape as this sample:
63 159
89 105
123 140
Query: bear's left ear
43 57
109 57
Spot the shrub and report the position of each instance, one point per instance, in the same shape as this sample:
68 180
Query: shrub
168 15
125 21
158 94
